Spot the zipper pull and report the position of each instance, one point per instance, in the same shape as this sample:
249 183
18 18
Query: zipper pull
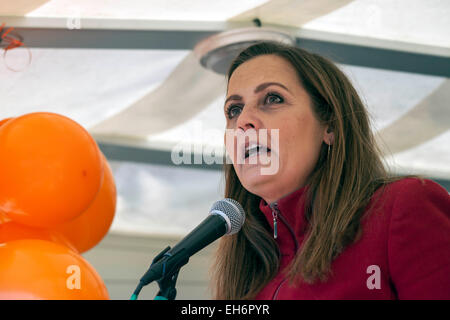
275 216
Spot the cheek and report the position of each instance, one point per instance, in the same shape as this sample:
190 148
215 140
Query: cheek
300 142
229 145
230 142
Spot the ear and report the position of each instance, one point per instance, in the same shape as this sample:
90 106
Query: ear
328 137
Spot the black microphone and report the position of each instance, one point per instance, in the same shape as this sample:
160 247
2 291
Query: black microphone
225 217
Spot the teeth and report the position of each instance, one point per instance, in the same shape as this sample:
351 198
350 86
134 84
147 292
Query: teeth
254 148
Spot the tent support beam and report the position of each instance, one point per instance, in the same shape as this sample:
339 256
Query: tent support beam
341 49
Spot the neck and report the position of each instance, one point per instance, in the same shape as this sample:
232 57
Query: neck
271 199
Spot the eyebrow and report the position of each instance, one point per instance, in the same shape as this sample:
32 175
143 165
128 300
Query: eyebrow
259 88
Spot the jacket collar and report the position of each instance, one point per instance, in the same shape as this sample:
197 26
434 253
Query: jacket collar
291 222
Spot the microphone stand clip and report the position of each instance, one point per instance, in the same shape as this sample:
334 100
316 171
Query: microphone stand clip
167 290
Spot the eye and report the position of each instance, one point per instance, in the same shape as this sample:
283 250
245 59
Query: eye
273 98
233 111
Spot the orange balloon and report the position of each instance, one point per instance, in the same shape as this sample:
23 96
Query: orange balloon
4 121
50 169
3 218
88 229
10 231
38 269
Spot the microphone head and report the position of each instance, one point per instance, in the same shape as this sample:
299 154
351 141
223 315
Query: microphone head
232 212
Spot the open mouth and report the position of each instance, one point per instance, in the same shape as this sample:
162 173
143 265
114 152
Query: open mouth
255 149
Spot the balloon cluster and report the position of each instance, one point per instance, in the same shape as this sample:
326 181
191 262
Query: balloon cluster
57 200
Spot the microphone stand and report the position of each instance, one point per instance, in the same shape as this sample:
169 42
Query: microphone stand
167 282
167 290
166 266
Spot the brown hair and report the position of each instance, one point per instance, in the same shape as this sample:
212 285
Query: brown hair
340 186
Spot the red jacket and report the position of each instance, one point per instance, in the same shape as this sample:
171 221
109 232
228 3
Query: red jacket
403 253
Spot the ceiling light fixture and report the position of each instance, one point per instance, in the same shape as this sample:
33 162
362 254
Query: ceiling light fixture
216 52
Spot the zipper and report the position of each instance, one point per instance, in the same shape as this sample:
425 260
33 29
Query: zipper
275 211
277 214
278 289
291 230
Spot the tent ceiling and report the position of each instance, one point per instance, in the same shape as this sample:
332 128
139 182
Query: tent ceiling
365 33
415 21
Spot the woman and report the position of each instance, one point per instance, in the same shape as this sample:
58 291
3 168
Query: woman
330 223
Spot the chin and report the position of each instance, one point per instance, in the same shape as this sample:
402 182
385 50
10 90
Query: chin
256 183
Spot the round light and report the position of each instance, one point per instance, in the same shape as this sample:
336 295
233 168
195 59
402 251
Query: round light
218 51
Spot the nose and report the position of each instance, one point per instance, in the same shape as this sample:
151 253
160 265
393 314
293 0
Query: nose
248 119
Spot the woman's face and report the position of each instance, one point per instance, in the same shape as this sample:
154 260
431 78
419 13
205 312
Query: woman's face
265 93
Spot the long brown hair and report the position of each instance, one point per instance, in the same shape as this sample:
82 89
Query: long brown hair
339 188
